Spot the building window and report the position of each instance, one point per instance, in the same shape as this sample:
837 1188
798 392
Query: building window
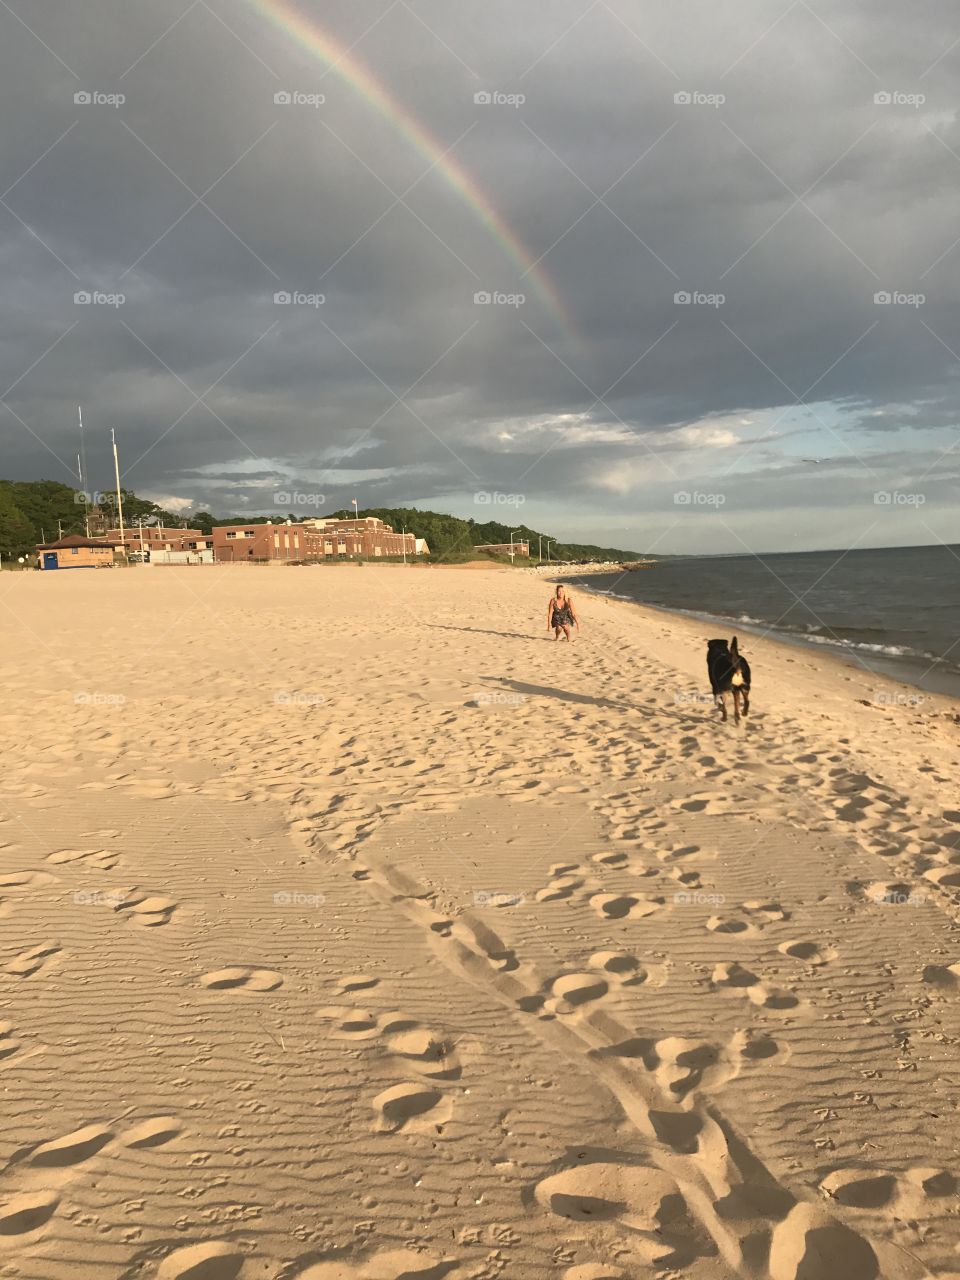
74 550
231 535
248 533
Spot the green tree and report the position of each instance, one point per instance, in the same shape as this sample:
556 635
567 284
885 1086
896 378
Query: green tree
16 530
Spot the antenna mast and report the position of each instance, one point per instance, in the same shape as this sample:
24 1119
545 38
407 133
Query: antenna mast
116 472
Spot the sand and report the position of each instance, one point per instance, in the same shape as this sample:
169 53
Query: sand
352 928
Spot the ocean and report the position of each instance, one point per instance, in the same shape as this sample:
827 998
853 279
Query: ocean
895 610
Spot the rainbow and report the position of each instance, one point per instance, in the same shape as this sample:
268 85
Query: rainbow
321 45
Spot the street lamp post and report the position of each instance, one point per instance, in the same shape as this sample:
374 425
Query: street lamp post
512 532
404 528
549 540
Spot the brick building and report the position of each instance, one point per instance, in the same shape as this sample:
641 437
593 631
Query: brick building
371 535
155 537
311 540
255 543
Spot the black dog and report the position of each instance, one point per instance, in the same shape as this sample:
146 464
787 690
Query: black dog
729 673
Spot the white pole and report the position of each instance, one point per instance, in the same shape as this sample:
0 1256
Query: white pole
404 528
116 472
81 466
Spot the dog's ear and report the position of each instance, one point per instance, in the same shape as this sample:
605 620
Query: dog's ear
733 646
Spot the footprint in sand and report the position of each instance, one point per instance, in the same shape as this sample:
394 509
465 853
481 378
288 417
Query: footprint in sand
683 1065
809 952
808 1242
860 1188
155 1132
621 906
689 879
623 862
27 1213
634 1196
755 1047
733 978
393 1264
559 888
426 1053
350 1024
942 975
708 802
98 859
614 861
14 880
620 967
241 979
575 989
141 910
565 995
214 1260
30 962
413 1106
679 1065
419 1049
888 893
947 877
731 925
678 851
73 1148
933 1182
765 912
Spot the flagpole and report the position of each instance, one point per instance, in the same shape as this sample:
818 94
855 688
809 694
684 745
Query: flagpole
116 472
82 467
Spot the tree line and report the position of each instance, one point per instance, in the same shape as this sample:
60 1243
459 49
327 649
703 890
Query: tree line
34 511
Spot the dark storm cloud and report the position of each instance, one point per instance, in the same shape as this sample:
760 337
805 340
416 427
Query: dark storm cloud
798 198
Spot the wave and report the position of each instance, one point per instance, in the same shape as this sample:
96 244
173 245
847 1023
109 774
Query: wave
841 639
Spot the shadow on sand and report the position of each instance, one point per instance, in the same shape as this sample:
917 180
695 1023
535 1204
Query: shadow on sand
486 631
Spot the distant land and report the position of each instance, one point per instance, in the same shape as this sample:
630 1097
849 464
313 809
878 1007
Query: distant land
31 509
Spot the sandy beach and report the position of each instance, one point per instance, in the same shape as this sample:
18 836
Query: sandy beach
355 930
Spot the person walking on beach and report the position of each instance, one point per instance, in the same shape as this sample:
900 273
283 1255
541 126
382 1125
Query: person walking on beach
561 614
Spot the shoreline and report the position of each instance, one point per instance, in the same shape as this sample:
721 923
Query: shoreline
910 672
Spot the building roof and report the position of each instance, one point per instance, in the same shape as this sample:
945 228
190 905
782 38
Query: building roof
74 540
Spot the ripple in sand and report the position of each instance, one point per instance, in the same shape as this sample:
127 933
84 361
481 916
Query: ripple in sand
248 979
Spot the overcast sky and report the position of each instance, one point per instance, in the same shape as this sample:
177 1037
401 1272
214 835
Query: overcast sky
779 165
